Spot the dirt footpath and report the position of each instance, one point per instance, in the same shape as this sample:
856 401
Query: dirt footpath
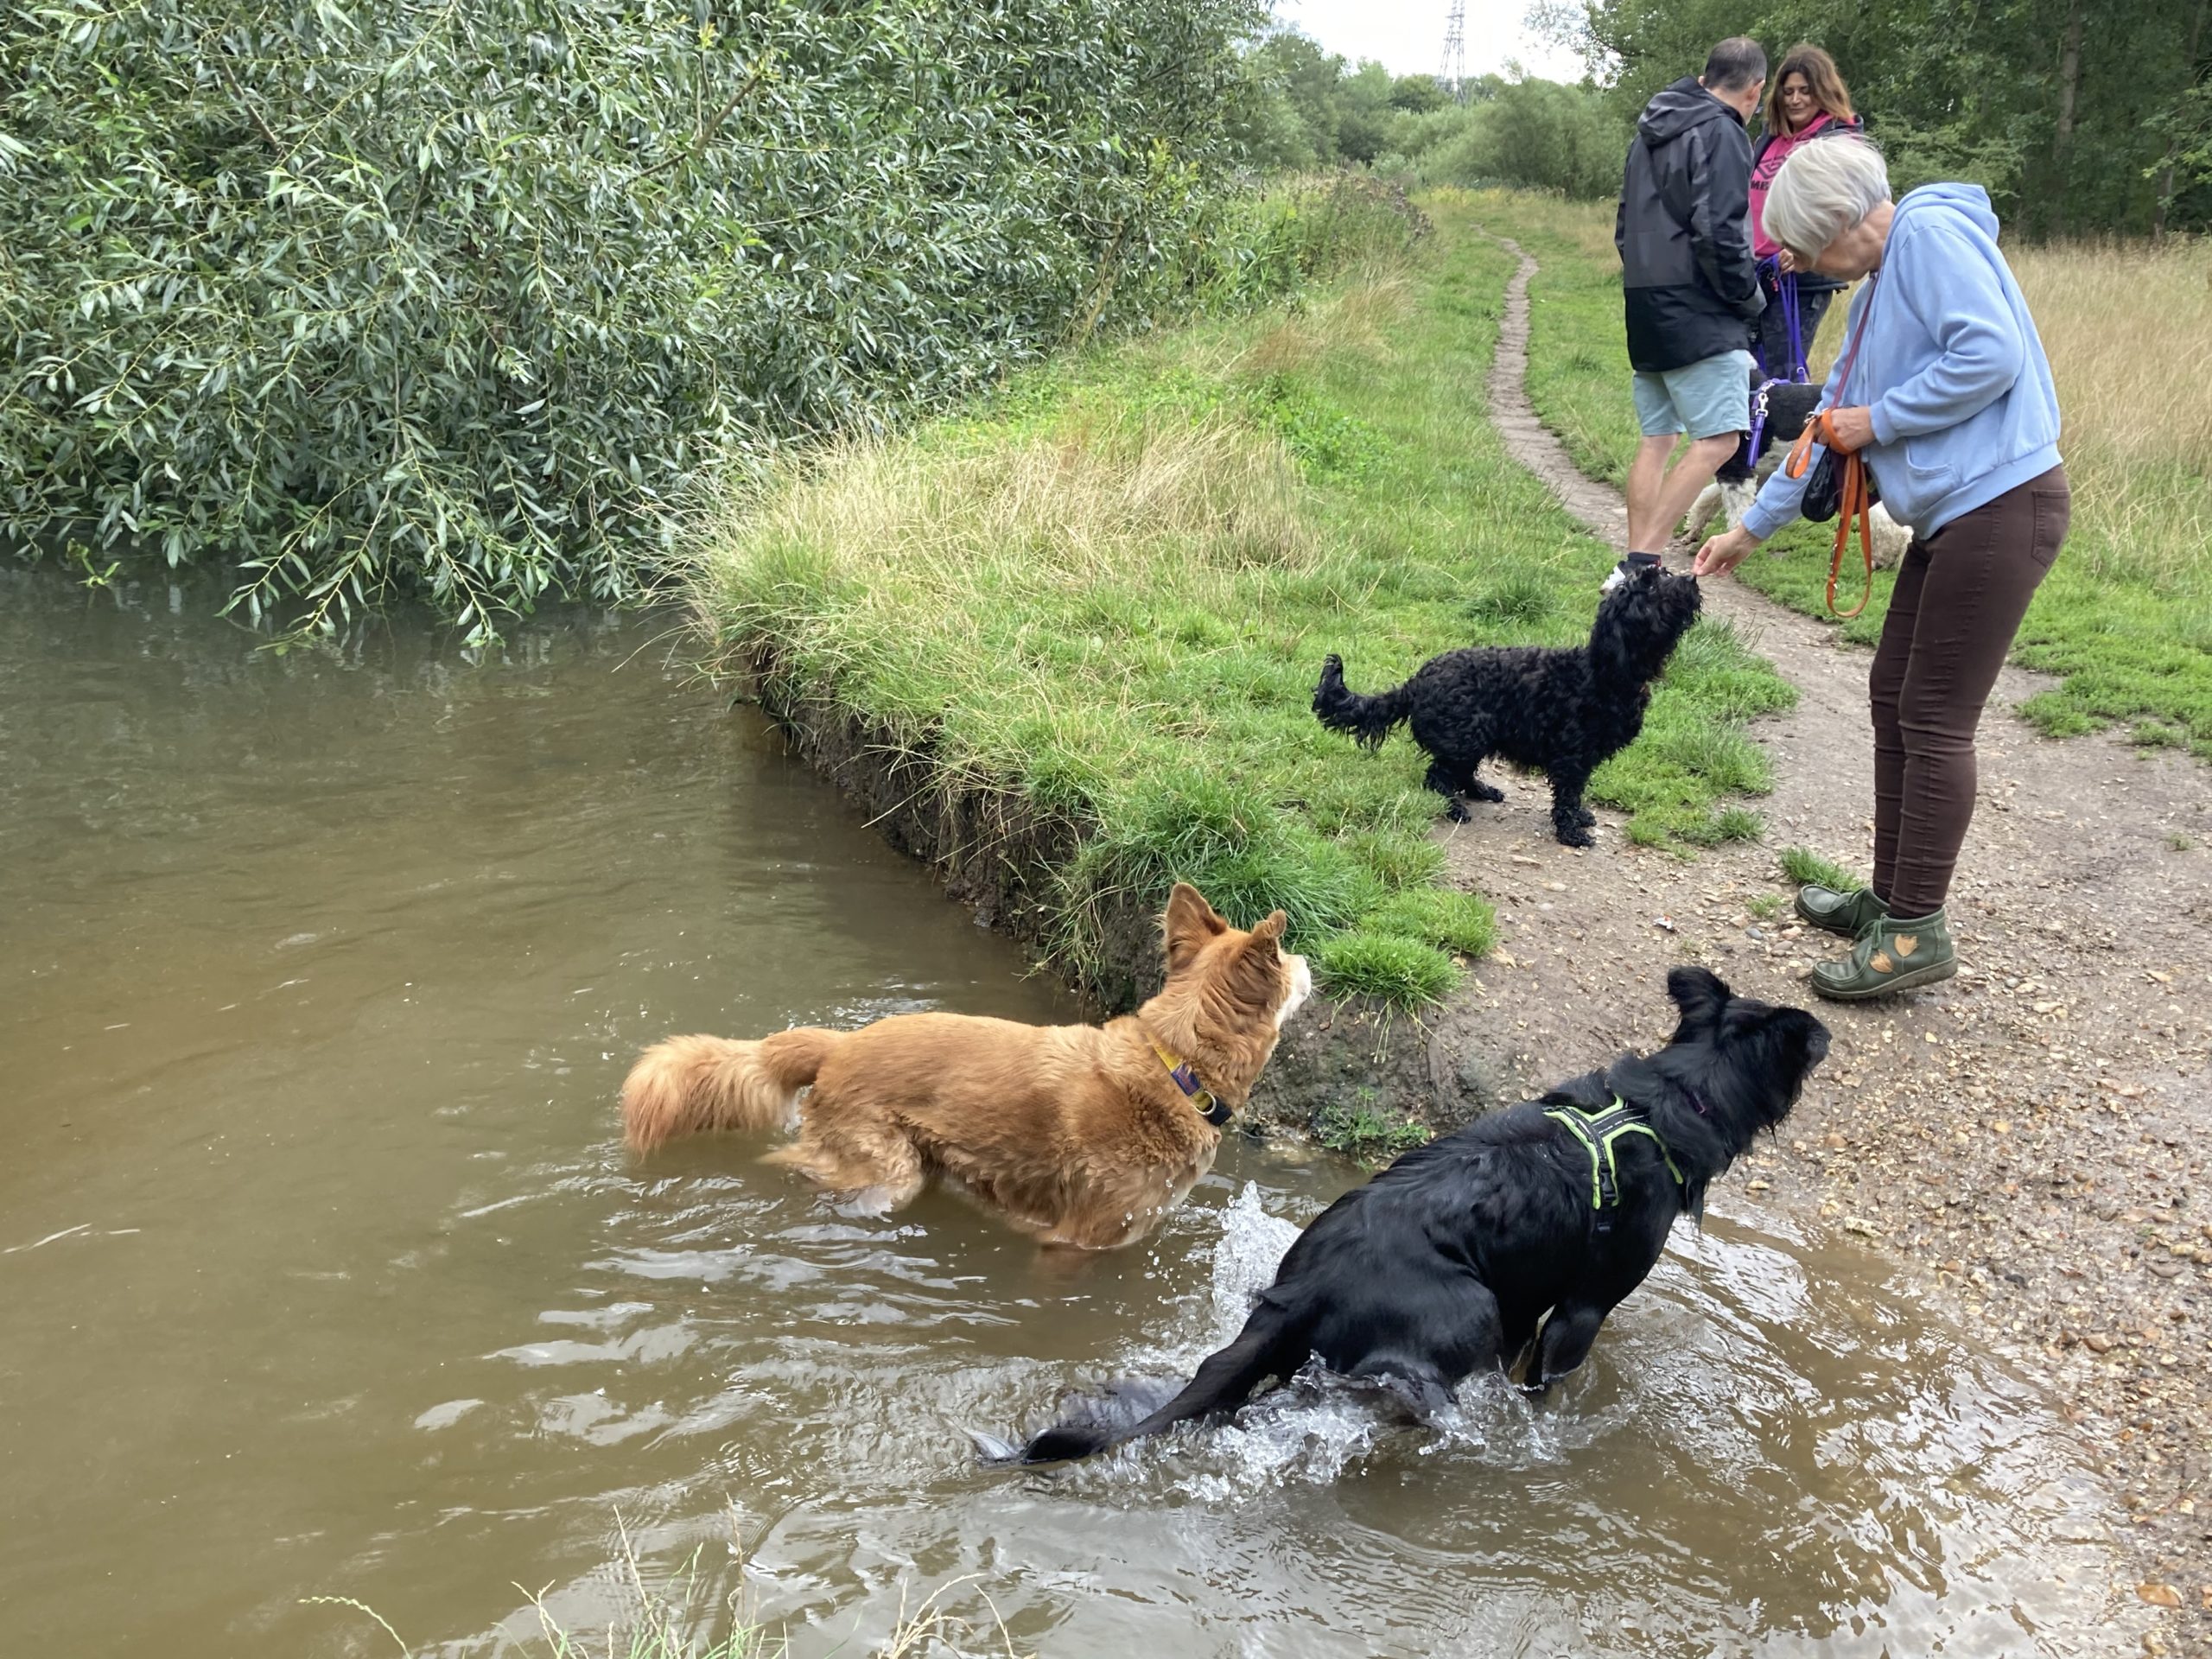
2034 1131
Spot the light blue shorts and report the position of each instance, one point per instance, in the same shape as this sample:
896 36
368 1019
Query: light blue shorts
1704 399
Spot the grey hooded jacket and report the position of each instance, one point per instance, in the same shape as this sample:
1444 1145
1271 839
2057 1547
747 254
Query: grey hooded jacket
1684 233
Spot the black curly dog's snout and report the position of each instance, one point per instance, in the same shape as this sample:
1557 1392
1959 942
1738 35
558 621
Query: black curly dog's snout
1561 711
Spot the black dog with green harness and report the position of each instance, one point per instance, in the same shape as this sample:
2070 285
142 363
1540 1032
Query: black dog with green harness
1527 1228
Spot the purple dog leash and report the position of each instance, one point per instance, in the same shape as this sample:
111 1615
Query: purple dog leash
1786 285
1785 288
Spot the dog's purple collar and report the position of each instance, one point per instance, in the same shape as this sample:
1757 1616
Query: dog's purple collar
1210 1106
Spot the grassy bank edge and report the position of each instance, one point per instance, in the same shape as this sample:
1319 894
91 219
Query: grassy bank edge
1102 595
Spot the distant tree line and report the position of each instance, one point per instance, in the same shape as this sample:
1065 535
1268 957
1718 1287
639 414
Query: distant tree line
2082 117
1303 107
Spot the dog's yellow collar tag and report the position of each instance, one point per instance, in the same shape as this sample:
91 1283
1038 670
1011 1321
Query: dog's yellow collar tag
1187 1080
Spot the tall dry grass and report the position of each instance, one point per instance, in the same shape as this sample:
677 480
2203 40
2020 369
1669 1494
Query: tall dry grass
2127 326
1588 225
2128 330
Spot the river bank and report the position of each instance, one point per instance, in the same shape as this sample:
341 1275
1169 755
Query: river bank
2025 1138
1065 649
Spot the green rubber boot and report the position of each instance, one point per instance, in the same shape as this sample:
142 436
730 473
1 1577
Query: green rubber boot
1848 913
1892 955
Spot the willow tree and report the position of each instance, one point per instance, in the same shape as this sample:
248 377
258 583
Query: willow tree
462 298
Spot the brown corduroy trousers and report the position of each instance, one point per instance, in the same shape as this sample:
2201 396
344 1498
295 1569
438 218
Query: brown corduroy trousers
1959 597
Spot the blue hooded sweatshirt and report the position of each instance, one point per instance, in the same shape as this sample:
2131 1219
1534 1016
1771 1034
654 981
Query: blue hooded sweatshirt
1963 405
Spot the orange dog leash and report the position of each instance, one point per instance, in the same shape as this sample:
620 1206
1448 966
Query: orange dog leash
1856 494
1854 498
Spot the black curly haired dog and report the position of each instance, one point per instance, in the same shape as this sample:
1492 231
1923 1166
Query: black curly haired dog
1561 710
1447 1263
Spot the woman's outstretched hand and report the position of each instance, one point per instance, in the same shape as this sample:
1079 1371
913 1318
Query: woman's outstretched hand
1723 553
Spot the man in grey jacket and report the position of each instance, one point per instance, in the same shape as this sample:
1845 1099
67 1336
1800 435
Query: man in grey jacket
1692 287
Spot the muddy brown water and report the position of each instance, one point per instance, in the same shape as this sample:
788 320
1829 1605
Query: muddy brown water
324 1275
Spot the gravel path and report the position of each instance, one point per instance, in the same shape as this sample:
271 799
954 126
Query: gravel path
2033 1132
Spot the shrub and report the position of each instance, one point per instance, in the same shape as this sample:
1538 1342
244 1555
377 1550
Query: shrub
459 299
1537 135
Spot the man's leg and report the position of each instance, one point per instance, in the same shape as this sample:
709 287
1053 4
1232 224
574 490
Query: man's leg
1687 476
1662 427
1646 476
1713 399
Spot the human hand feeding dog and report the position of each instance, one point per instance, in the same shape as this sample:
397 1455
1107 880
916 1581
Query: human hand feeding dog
1517 1236
1081 1135
1563 710
1724 552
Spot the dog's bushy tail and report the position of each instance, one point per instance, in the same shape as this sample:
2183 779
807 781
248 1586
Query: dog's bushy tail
1343 709
1271 1344
687 1085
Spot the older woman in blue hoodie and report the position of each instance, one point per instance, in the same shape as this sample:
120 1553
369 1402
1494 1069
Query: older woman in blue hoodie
1950 397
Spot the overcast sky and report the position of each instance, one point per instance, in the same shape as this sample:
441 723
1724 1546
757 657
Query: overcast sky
1408 36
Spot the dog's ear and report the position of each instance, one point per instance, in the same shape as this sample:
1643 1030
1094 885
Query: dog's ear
1189 926
1805 1034
1699 994
1267 937
1258 977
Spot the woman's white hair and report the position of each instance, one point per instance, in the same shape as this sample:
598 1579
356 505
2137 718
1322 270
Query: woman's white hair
1822 190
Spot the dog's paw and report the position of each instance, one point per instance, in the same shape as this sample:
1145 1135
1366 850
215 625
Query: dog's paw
1487 792
1457 810
1574 835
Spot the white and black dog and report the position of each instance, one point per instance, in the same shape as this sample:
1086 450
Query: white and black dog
1779 410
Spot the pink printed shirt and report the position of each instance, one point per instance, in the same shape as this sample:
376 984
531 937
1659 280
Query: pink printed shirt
1773 152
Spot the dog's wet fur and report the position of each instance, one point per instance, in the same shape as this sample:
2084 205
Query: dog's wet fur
1483 1248
1079 1135
1561 710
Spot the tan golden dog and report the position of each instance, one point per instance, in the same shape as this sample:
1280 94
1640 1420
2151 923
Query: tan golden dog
1082 1134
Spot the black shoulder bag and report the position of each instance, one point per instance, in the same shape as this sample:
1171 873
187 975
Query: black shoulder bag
1824 489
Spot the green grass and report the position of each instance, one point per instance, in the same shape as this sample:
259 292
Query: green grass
1107 591
1361 1132
1806 868
2130 636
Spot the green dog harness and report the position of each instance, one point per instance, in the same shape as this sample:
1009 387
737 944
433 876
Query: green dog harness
1597 1131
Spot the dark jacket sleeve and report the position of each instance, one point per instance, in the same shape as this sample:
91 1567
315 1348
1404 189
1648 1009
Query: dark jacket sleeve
1720 210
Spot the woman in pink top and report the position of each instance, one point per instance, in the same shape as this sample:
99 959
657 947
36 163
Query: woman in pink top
1806 99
